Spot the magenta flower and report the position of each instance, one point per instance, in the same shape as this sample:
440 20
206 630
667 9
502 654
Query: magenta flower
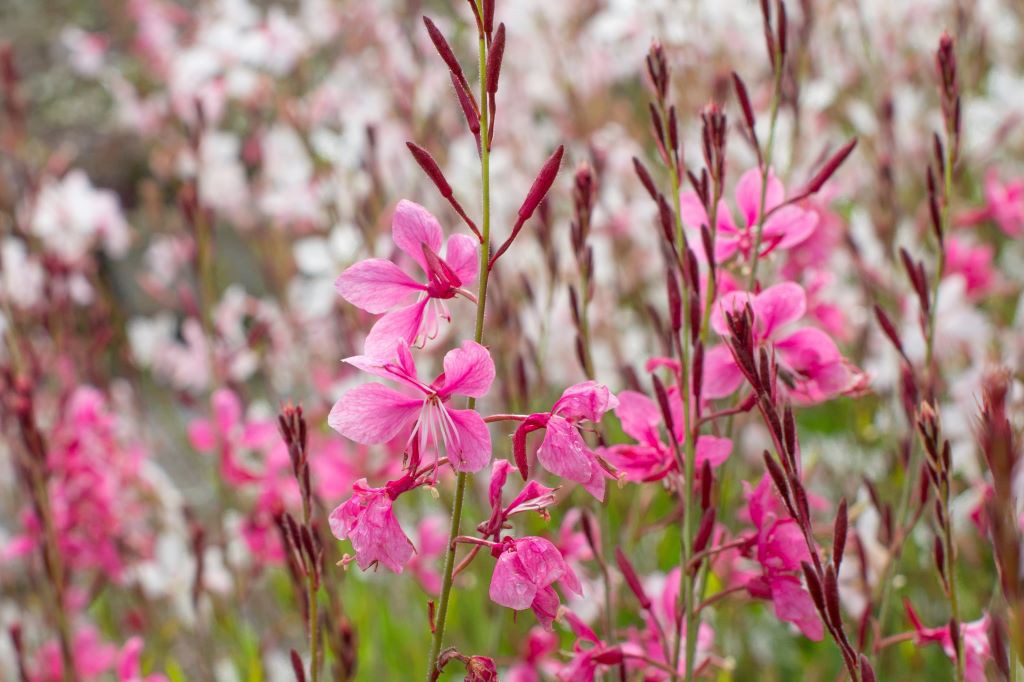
375 413
379 286
1004 205
524 574
535 657
563 451
590 653
785 226
973 263
974 636
650 459
779 547
367 521
811 366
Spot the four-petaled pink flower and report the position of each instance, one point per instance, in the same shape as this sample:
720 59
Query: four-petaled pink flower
650 459
779 547
810 364
379 286
563 451
228 435
974 636
524 576
375 413
366 519
785 226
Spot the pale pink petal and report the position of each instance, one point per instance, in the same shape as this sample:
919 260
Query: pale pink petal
726 247
463 257
373 413
813 355
779 305
564 453
639 416
376 285
540 560
748 195
509 587
722 375
393 328
713 450
378 537
499 474
595 485
411 227
588 400
472 449
468 370
692 212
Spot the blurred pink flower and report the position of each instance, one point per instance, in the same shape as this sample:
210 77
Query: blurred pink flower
785 226
379 286
1004 205
563 451
973 263
524 574
374 413
228 435
975 638
536 657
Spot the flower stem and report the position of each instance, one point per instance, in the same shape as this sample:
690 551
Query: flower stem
765 170
460 483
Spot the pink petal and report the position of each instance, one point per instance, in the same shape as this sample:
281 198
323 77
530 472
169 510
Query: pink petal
732 302
540 560
373 413
376 285
588 400
545 606
499 474
779 305
468 370
722 375
379 537
564 453
463 257
472 452
692 212
202 435
748 195
227 410
788 227
794 605
509 587
393 328
639 416
713 450
411 227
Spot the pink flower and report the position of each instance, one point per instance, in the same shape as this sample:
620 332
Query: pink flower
524 574
590 653
785 226
811 365
650 459
779 549
374 413
974 635
129 668
666 617
379 286
1004 205
91 655
431 538
229 435
973 263
563 451
367 521
539 646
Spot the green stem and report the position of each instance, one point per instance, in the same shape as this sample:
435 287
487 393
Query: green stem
765 170
460 483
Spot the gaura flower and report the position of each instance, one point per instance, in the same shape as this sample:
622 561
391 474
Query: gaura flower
379 286
523 577
779 547
976 642
367 521
811 366
650 459
784 227
563 451
375 413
